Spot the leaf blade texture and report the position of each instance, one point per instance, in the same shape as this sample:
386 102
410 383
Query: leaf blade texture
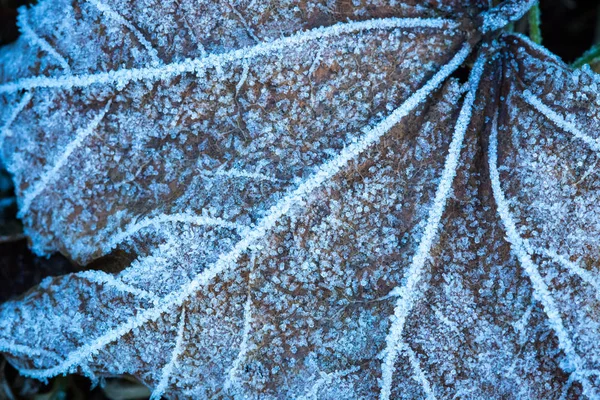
314 207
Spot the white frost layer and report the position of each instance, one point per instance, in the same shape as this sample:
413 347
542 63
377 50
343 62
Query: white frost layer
289 203
168 71
540 289
559 121
52 173
408 293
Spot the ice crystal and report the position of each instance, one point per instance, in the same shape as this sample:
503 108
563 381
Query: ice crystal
314 206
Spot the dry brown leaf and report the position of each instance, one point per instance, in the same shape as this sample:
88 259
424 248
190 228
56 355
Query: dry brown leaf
288 177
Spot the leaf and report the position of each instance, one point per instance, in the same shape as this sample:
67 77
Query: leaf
316 207
148 151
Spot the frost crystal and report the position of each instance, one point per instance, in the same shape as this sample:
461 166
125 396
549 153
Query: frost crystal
314 207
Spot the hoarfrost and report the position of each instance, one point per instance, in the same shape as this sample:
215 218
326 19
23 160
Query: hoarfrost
314 207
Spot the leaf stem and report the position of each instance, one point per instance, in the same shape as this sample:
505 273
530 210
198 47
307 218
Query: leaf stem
589 56
533 16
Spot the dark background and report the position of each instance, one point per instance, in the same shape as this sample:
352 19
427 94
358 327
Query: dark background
569 28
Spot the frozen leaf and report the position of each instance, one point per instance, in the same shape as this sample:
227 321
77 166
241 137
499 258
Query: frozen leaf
118 149
513 313
316 208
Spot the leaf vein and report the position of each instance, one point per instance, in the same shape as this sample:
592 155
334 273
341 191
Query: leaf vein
42 43
118 18
197 65
540 290
167 370
559 121
408 292
201 220
290 201
52 173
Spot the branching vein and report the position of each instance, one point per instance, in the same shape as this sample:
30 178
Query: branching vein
519 247
408 293
231 375
293 201
43 44
585 275
118 18
559 121
167 370
168 71
419 374
133 228
52 173
102 278
245 23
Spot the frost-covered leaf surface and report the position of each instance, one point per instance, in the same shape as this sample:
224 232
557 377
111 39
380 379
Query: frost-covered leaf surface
314 206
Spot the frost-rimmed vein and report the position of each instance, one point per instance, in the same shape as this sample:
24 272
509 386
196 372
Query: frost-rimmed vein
13 348
42 43
123 76
235 366
585 275
198 43
102 278
167 370
292 200
539 48
540 289
559 121
243 21
419 374
243 77
118 18
201 220
51 174
408 293
522 323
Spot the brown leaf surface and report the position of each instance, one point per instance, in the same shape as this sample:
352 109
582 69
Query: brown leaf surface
285 192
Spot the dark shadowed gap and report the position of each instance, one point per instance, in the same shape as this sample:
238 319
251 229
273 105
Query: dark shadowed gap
8 19
570 27
462 74
20 270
